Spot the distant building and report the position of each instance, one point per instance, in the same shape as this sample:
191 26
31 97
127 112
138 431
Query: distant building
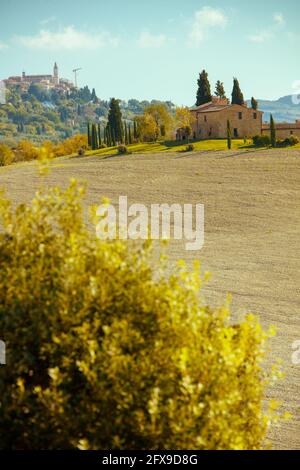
283 129
210 120
48 81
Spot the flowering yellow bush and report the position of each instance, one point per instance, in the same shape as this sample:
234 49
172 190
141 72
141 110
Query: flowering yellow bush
101 354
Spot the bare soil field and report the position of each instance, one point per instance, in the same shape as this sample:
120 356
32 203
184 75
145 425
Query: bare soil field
252 227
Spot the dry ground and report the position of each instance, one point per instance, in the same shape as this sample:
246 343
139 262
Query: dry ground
252 227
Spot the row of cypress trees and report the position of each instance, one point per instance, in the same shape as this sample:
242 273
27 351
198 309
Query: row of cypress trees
204 94
115 132
107 135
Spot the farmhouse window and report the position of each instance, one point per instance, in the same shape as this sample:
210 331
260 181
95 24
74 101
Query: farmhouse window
235 132
205 118
254 115
240 115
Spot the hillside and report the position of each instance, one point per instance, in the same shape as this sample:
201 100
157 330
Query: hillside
283 109
40 114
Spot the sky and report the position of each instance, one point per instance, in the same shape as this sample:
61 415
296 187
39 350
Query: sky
155 49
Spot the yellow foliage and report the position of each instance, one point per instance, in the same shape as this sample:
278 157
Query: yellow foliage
6 155
102 354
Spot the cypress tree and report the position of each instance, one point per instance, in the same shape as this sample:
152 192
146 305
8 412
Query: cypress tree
129 135
237 95
89 135
113 137
219 91
99 135
228 135
108 135
135 133
125 133
254 103
203 92
94 137
115 120
272 131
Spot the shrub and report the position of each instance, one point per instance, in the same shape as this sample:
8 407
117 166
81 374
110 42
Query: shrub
122 149
288 141
102 146
103 353
261 141
26 151
6 155
292 140
189 148
81 151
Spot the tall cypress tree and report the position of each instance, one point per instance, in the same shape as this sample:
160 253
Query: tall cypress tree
115 121
129 135
220 91
135 133
89 135
237 96
272 131
203 92
94 137
99 135
254 103
125 133
228 135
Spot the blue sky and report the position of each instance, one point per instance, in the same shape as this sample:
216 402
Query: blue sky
155 49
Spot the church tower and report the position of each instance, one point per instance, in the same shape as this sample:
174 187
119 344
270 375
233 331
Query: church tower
55 74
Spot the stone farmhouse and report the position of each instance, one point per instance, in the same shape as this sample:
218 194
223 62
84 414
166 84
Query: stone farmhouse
210 122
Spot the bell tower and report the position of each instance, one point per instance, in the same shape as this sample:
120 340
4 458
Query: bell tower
55 74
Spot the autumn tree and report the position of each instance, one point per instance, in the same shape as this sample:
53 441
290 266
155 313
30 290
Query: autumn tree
162 118
146 127
184 120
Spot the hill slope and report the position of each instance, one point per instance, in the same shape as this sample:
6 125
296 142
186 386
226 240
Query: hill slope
283 109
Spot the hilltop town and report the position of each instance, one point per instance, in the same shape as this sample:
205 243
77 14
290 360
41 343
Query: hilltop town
47 81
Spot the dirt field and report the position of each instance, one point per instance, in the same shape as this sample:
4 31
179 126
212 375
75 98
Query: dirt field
252 227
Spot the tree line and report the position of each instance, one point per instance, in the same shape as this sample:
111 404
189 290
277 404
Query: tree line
204 94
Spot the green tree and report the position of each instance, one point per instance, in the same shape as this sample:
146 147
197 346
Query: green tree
89 134
254 103
220 91
115 120
129 135
228 135
272 131
135 130
94 96
237 95
94 137
125 133
99 135
203 92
